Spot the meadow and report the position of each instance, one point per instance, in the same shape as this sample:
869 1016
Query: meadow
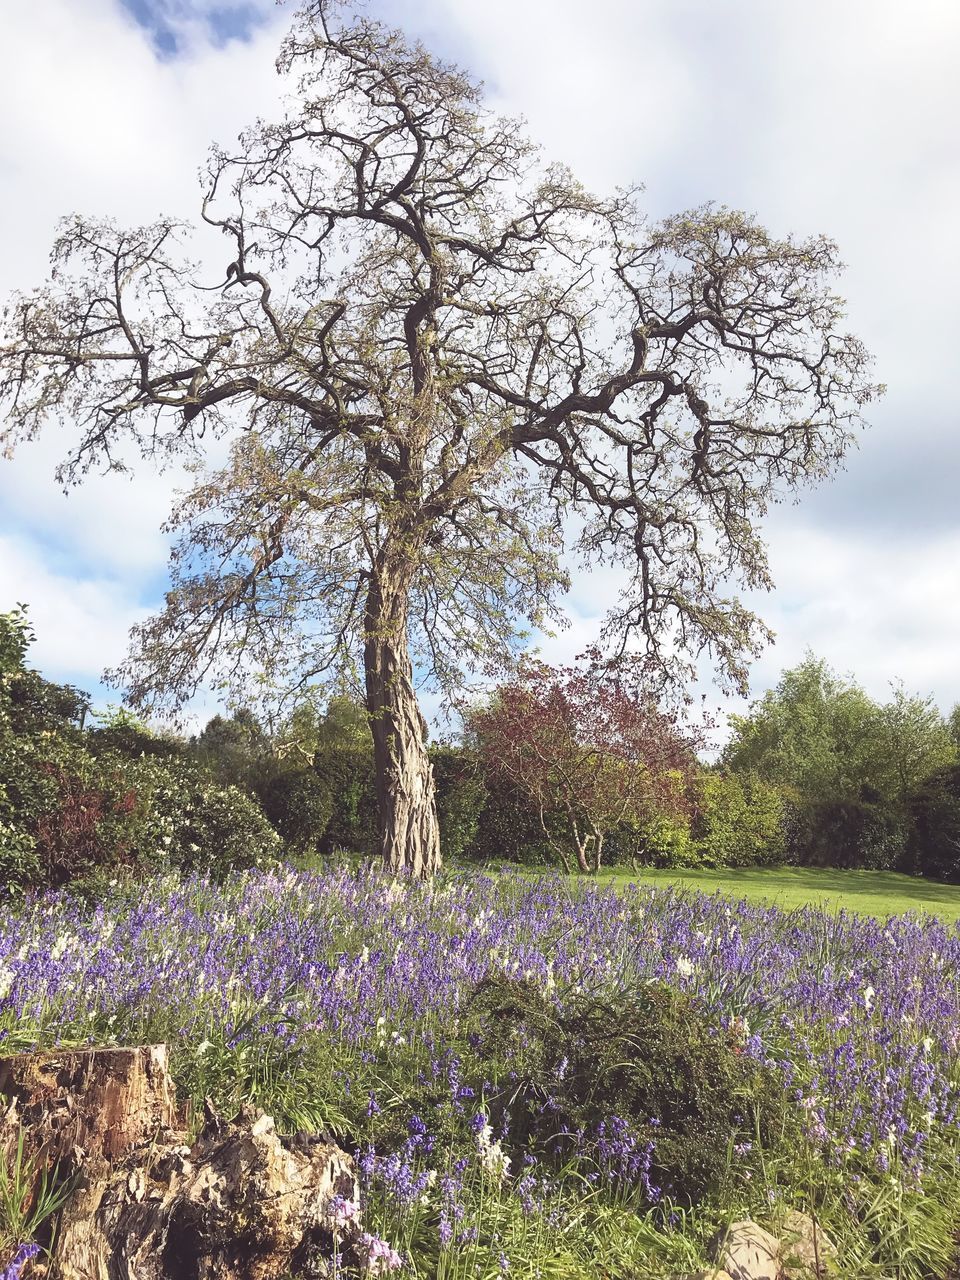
437 1031
872 893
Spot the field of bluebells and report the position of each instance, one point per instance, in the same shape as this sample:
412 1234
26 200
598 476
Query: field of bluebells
333 1000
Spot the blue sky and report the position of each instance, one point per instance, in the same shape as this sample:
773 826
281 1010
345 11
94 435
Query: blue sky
829 116
163 23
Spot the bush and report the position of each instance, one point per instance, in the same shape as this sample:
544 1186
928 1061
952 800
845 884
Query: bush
508 829
642 1079
347 772
62 811
739 822
189 822
66 813
461 796
866 834
663 841
934 845
300 805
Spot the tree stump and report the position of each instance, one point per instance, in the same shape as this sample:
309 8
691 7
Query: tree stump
76 1106
239 1204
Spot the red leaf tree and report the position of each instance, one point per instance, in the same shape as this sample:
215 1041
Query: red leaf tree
587 750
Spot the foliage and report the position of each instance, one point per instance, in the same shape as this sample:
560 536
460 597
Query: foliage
661 840
508 830
935 839
78 803
825 738
586 753
300 804
814 732
117 730
30 1196
644 1083
740 820
868 833
848 765
192 823
348 774
235 750
462 797
16 636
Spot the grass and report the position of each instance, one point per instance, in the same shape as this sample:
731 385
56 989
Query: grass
869 893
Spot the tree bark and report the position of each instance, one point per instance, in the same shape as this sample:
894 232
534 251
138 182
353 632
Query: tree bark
409 832
239 1203
77 1106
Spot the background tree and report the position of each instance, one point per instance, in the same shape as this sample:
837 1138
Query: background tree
433 351
236 749
824 736
851 763
815 732
587 754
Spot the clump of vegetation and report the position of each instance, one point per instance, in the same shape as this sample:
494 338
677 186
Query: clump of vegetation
78 801
644 1083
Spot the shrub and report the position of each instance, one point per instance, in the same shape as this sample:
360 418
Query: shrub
867 834
642 1079
347 771
934 845
119 732
62 812
665 841
300 805
189 822
739 822
461 796
508 829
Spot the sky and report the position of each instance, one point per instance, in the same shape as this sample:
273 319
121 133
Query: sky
834 116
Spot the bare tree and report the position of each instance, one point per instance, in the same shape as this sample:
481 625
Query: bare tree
434 354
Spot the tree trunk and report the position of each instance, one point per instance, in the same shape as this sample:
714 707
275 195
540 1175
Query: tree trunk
409 833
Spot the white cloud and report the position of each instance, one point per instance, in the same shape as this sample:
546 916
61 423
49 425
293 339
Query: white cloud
81 622
104 127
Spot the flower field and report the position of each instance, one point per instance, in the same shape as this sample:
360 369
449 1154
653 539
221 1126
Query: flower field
342 1002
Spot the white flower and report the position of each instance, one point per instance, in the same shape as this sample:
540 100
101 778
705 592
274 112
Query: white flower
868 994
59 948
685 966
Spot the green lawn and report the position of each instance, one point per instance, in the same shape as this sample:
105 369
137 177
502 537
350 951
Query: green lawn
874 893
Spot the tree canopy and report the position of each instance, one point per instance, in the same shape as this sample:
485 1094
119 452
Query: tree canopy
824 736
586 754
434 355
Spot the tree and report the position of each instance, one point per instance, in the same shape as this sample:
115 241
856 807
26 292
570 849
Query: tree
916 743
236 749
432 350
586 753
825 737
815 732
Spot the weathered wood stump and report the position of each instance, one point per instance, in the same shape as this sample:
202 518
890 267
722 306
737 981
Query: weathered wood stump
238 1203
80 1105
